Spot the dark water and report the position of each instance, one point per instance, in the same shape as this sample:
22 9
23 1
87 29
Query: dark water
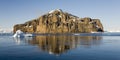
84 46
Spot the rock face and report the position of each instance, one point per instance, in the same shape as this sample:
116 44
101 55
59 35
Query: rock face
57 21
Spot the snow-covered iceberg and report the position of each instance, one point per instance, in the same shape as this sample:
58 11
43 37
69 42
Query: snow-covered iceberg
19 33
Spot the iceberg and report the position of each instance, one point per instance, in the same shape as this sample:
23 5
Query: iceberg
19 34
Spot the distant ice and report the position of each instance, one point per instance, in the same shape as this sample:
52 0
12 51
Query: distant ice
112 30
6 30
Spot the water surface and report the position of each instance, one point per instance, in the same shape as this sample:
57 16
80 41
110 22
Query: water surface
84 46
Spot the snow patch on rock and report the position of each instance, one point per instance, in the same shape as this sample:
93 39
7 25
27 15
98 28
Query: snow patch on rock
52 11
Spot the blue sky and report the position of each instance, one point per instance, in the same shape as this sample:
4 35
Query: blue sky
19 11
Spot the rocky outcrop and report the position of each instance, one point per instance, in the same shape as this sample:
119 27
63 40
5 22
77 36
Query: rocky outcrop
57 21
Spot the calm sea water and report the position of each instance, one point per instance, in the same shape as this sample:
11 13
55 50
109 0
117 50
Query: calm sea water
84 46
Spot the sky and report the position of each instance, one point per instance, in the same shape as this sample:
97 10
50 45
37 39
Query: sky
19 11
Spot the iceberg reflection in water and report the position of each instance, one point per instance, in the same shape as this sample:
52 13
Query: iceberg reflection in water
58 44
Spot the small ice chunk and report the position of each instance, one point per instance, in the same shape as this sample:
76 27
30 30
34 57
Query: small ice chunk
18 33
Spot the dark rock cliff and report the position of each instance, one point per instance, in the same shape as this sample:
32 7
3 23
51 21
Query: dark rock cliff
57 21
